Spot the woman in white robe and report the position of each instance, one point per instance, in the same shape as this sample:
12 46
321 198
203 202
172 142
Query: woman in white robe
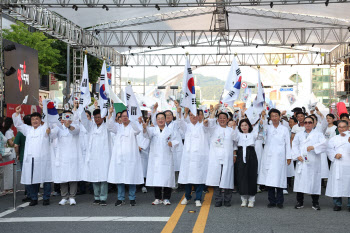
67 162
307 147
125 165
161 172
338 152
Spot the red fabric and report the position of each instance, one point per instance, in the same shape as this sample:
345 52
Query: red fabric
341 108
7 163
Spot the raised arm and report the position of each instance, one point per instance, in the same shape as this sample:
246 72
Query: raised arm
111 124
18 123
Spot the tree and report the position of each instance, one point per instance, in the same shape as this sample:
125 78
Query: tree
48 56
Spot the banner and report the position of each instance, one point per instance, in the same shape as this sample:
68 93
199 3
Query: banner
85 98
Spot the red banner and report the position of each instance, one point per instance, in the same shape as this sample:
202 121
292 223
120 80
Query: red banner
7 163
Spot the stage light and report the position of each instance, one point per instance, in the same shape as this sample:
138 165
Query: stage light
75 7
149 47
327 2
292 45
97 31
271 4
10 71
105 7
10 47
313 45
257 46
157 7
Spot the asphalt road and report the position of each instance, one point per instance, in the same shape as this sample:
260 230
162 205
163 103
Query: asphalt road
148 218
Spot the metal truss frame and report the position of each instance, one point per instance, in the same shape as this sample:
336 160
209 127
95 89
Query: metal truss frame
340 53
60 28
233 37
249 11
160 4
244 59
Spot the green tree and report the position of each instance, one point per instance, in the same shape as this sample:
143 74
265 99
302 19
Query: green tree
48 56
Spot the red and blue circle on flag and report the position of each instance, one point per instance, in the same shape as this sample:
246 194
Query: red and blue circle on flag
103 92
190 85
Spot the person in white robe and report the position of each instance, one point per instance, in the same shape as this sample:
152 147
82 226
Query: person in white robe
161 170
97 156
144 144
125 165
307 147
300 116
194 162
276 158
220 166
36 167
338 151
67 160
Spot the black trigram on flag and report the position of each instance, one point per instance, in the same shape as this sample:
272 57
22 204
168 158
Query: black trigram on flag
43 116
193 100
189 70
105 105
238 71
186 94
128 96
102 78
133 110
231 93
84 83
81 101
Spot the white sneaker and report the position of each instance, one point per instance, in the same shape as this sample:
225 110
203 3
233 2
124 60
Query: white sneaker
144 189
157 202
72 201
198 203
63 202
285 192
184 201
251 204
166 202
244 203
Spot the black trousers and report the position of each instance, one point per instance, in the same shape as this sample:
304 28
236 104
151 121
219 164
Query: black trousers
300 198
158 193
273 198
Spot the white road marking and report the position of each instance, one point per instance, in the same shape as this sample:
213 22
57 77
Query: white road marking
86 219
10 211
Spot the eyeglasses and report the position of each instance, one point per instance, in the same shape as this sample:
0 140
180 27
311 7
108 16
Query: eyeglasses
308 122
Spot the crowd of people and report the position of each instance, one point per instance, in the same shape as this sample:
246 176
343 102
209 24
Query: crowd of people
168 149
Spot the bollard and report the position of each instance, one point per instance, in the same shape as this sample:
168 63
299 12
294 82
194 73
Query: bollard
14 183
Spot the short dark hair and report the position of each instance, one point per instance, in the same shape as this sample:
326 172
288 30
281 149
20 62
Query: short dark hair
230 115
35 114
314 116
200 110
96 112
88 112
331 115
344 115
309 117
121 113
223 113
160 113
169 111
342 121
26 120
297 109
274 110
295 120
299 113
246 121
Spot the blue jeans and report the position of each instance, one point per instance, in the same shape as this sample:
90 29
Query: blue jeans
199 191
275 199
101 191
121 192
33 191
338 201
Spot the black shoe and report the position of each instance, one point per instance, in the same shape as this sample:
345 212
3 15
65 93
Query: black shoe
218 204
119 203
337 208
33 202
103 203
316 207
132 202
96 202
27 199
280 206
270 205
46 202
227 203
299 206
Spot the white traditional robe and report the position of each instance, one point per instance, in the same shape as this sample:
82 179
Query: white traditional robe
161 172
37 147
220 165
308 174
194 162
273 169
338 184
98 153
125 165
67 161
260 141
144 144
